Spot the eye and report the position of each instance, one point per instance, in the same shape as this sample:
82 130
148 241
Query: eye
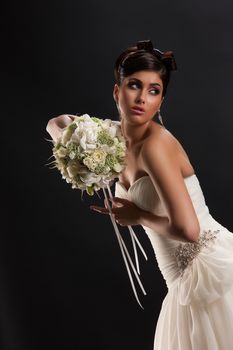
132 84
156 91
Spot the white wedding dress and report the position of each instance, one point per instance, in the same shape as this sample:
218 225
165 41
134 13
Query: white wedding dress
197 311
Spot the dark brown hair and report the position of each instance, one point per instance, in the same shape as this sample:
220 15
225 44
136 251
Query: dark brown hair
144 56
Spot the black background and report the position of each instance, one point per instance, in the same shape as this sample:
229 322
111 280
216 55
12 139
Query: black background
63 283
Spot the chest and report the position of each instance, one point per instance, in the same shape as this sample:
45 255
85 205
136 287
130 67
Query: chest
134 167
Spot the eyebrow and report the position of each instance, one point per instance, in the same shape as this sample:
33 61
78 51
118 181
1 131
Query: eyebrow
152 84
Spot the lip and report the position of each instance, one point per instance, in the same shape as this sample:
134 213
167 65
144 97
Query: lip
138 110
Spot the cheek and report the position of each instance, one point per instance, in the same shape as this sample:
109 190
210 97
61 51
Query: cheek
154 102
126 97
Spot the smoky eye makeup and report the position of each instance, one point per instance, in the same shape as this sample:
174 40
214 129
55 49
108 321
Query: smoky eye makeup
130 83
157 91
139 84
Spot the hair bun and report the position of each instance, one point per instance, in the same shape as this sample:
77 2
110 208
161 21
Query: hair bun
169 60
166 57
145 45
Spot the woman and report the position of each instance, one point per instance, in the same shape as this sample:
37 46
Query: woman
159 190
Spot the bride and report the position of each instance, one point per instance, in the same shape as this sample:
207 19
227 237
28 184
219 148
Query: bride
159 190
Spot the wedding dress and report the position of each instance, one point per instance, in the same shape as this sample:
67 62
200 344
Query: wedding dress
197 311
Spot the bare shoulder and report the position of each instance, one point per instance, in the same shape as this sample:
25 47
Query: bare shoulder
162 148
160 139
162 164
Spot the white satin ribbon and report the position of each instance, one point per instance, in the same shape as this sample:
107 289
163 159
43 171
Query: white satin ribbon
123 247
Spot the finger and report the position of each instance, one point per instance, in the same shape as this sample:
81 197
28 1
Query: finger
106 203
99 209
119 200
115 204
119 222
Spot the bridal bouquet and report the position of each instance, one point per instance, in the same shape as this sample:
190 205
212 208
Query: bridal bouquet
90 154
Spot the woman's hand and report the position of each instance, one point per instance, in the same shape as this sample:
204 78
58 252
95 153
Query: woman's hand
56 124
124 211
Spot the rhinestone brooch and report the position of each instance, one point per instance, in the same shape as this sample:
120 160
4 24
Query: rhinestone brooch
185 253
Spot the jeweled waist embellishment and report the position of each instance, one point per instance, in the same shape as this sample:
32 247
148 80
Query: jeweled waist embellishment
185 253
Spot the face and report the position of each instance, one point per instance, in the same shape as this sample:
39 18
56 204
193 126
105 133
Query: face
142 89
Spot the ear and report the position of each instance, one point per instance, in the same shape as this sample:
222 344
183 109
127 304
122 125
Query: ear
115 92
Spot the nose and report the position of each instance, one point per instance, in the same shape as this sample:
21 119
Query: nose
141 97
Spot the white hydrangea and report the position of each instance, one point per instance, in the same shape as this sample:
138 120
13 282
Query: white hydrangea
90 153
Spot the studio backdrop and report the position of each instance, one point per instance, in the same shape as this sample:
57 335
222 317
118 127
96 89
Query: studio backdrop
63 282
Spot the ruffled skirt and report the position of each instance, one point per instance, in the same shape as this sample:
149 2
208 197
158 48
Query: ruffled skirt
197 312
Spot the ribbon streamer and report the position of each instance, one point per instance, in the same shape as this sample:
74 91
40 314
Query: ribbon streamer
124 250
133 237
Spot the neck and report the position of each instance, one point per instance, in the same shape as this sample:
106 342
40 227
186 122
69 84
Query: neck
133 134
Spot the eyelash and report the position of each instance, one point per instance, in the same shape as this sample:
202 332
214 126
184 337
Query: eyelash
156 90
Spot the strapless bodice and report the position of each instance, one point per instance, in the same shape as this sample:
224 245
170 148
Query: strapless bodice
142 193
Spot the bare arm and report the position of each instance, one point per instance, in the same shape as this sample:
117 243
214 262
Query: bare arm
162 226
56 124
126 213
160 162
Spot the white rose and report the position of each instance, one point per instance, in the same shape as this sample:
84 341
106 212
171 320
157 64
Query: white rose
99 156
